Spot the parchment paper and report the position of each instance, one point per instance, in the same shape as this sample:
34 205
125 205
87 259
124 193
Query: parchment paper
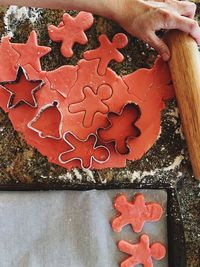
68 228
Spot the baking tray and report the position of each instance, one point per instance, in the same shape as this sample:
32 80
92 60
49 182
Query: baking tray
176 240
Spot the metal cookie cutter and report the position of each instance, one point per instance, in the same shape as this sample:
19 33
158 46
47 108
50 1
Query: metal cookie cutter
21 71
84 145
38 115
117 131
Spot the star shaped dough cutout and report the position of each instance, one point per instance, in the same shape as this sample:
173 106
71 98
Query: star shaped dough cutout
31 52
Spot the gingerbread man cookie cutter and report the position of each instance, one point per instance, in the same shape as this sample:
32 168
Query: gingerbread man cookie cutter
92 157
111 124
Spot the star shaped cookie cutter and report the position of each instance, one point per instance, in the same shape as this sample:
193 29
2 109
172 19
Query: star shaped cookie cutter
73 148
21 71
38 115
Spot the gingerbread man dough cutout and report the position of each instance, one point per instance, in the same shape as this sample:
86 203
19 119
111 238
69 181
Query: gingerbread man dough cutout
71 31
107 51
142 252
135 213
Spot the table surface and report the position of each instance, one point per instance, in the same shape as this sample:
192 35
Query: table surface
22 167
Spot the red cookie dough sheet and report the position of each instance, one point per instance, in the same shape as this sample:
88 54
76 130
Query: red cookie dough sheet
72 114
72 228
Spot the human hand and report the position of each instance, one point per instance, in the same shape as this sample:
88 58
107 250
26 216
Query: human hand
143 18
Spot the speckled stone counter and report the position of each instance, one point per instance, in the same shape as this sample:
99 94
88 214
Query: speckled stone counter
22 167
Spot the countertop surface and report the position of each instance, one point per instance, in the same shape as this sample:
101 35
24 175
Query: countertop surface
166 163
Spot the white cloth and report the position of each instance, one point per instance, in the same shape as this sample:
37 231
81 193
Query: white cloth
68 228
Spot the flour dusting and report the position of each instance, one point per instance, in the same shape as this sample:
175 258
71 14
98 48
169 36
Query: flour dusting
78 174
132 176
175 164
90 176
174 115
15 14
139 175
67 177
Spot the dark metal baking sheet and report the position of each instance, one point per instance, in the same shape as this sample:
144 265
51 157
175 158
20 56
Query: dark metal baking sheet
176 241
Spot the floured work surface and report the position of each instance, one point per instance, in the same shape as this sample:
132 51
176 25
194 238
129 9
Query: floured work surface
25 164
70 228
72 114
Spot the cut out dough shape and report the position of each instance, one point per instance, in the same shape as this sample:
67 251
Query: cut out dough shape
31 52
65 86
70 31
114 134
92 103
22 90
135 213
9 57
62 79
107 51
84 150
142 252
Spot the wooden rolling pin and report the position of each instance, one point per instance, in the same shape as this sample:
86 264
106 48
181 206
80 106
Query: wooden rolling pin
185 71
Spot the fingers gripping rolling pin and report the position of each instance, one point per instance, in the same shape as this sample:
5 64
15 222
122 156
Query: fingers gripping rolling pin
185 71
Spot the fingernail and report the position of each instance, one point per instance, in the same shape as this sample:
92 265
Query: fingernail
165 56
